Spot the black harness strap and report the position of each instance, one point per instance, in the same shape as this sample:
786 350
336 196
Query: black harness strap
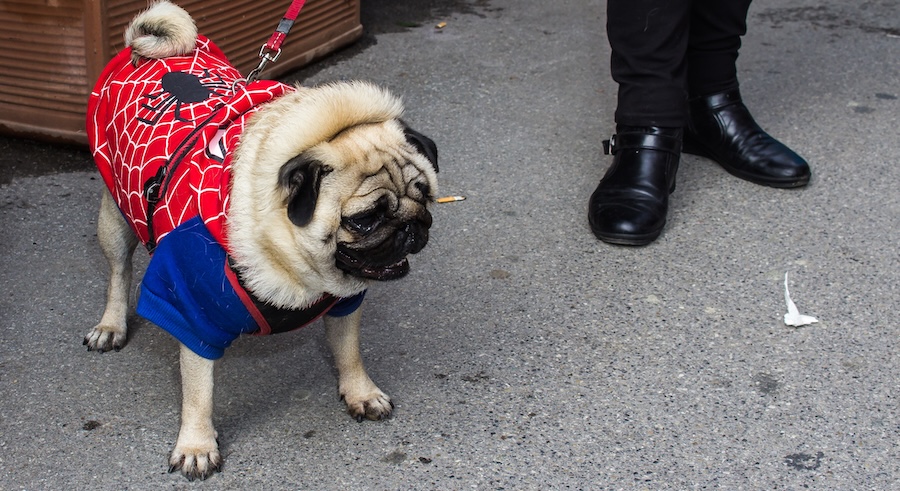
155 188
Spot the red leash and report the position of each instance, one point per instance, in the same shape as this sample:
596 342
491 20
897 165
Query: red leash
272 49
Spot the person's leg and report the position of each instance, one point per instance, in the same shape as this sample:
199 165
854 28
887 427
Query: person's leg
719 125
649 40
713 45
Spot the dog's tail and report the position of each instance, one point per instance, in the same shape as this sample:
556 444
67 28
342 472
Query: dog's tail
161 31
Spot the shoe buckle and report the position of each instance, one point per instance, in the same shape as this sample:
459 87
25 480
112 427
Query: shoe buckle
609 146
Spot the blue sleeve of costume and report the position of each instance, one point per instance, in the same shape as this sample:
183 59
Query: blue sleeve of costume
185 291
347 306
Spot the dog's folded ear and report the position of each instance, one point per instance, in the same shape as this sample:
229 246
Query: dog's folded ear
300 177
423 144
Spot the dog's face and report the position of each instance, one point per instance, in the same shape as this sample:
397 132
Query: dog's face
382 176
329 189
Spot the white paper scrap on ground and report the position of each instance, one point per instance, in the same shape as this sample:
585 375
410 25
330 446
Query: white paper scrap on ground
793 316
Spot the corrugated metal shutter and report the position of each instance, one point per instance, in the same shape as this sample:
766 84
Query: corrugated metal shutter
52 51
42 61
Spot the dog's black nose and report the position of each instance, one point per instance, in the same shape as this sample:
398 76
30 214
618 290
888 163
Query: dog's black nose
412 237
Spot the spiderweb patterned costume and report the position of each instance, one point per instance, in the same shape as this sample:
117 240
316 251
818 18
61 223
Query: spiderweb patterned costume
162 134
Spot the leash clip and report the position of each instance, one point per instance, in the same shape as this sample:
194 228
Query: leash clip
265 56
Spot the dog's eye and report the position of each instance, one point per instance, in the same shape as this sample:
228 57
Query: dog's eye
363 224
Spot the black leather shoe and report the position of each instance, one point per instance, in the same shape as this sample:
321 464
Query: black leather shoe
721 128
630 204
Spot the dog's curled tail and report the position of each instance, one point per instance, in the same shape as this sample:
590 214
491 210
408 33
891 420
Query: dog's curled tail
161 31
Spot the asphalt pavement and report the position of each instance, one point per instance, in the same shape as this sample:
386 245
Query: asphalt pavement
521 353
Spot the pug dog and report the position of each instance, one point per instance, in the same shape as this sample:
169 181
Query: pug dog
264 206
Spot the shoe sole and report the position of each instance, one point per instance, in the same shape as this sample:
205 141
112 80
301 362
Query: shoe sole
628 240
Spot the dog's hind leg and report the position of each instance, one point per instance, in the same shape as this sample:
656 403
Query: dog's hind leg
364 399
117 241
196 452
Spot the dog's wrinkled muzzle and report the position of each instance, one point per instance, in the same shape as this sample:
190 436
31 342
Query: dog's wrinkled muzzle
387 260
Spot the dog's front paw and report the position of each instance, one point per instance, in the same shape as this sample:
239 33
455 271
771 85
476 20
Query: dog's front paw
374 405
105 338
197 461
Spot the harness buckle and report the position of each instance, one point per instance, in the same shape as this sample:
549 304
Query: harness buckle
153 185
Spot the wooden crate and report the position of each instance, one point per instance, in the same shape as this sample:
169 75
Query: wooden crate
52 51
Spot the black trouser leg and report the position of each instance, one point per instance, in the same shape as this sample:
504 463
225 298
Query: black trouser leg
665 49
649 40
715 38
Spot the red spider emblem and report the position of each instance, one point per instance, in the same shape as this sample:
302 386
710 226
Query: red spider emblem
180 88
